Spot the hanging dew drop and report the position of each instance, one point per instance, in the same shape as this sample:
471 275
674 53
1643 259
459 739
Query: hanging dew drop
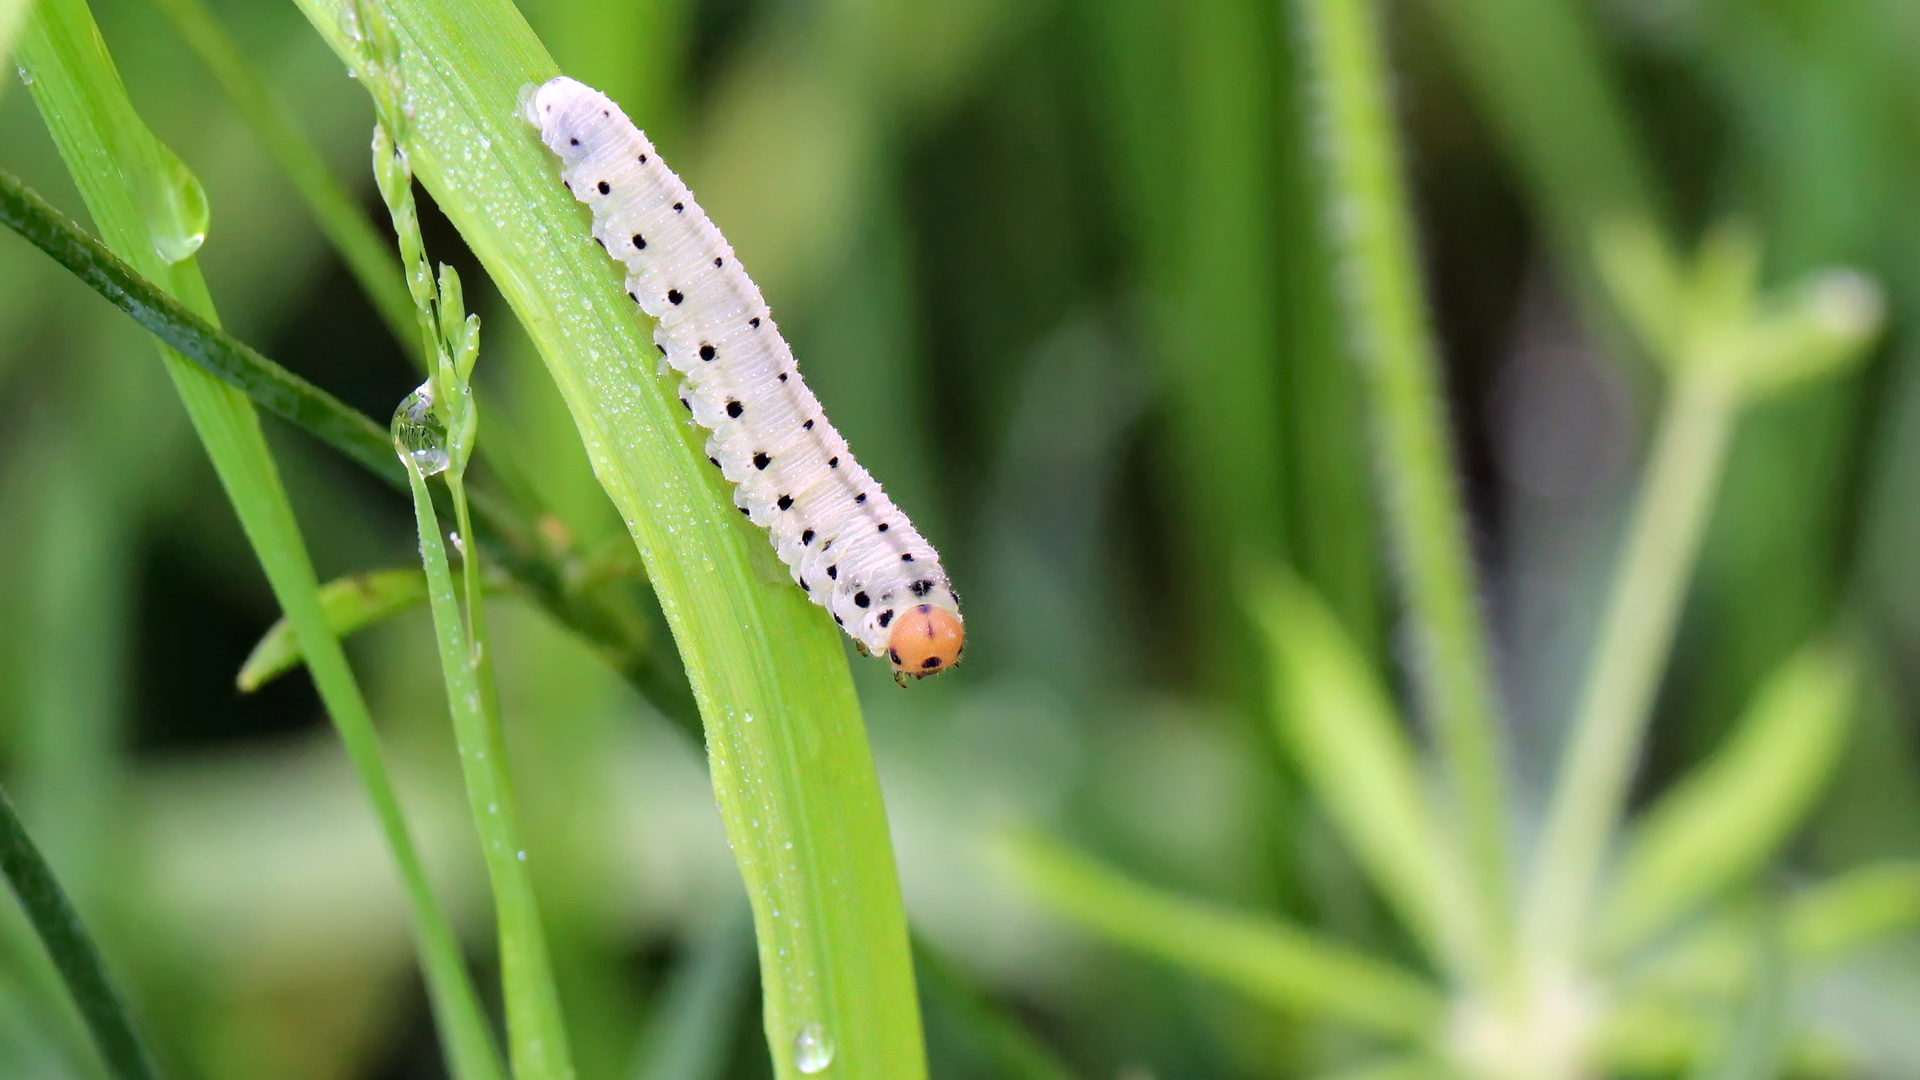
418 434
812 1049
174 207
25 73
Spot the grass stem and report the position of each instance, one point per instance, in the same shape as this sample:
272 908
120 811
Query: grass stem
1413 450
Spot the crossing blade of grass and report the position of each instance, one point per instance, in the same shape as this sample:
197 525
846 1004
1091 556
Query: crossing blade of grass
66 941
790 763
140 198
1413 451
1282 966
368 255
501 526
350 603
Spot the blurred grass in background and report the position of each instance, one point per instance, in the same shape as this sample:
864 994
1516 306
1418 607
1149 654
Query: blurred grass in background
1061 273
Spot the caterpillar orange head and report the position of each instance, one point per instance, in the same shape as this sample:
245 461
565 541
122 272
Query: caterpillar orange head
926 639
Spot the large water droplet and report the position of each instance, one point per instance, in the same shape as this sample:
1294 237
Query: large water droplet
25 73
812 1049
174 207
419 434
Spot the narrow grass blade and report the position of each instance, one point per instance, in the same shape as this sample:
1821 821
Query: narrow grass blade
266 383
1331 711
1725 820
367 255
144 203
1414 453
536 1037
790 763
1636 631
66 941
350 604
1279 965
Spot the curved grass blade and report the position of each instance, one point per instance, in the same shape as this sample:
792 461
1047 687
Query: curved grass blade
66 941
791 767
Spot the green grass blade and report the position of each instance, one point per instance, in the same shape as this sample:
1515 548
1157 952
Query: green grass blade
264 382
366 253
789 756
1414 453
123 174
350 604
1725 820
536 1038
66 941
1342 727
1287 968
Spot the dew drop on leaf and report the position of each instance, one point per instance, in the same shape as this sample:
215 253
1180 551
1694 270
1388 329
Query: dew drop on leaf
418 434
812 1049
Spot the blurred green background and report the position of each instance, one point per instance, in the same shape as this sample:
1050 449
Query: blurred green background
1059 271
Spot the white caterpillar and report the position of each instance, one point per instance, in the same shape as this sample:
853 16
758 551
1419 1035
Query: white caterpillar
846 543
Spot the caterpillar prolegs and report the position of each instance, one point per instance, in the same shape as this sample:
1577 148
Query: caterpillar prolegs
845 542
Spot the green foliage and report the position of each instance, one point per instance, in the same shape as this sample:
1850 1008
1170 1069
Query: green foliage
1119 298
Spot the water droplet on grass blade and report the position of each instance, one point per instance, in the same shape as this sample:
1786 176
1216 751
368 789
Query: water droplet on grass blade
812 1049
174 207
420 435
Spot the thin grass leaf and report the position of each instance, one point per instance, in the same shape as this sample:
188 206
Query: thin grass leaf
145 205
1332 713
790 764
350 604
66 942
1386 312
507 531
1728 818
536 1036
1399 1068
365 253
1274 963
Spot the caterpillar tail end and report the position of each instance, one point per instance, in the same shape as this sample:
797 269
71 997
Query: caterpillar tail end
926 640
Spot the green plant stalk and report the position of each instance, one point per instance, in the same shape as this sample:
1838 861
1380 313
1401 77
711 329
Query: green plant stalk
506 534
1413 451
536 1037
66 942
95 126
790 764
1663 540
335 211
